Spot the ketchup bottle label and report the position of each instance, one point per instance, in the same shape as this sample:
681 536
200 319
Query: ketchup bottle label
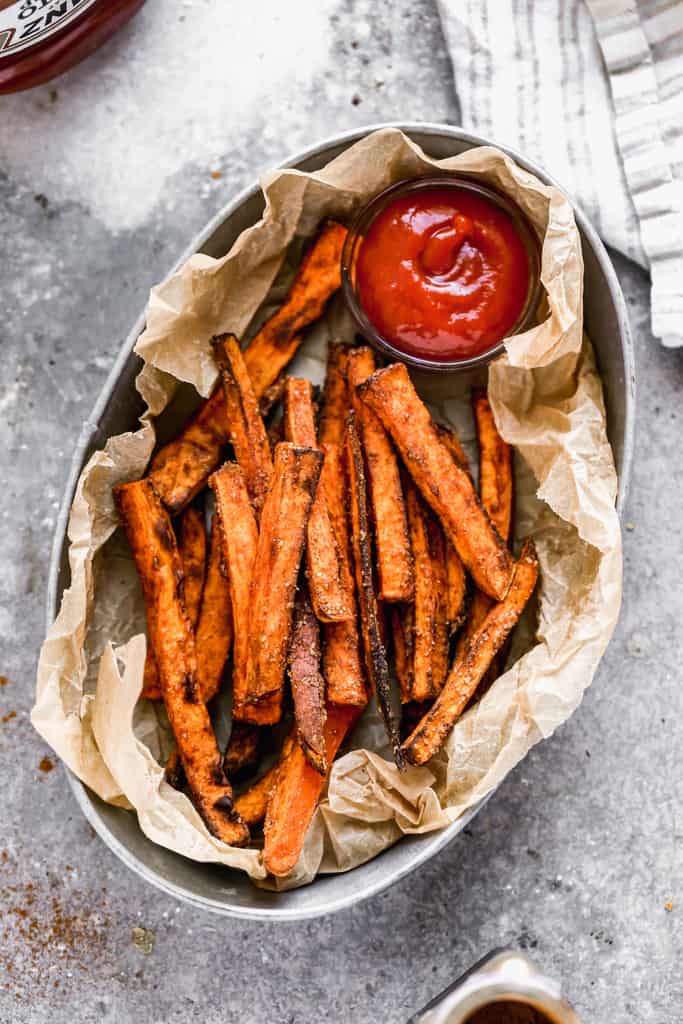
29 22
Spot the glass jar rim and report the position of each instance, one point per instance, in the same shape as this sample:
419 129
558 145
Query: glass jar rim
364 218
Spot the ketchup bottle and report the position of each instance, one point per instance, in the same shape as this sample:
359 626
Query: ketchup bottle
40 39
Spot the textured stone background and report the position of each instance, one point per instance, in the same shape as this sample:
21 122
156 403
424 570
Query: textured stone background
104 176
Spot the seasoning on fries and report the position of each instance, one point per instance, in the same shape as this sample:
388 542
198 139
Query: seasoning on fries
245 424
295 796
317 279
157 560
342 663
392 542
275 571
214 627
330 586
239 538
371 632
443 483
430 625
469 669
335 399
308 686
180 469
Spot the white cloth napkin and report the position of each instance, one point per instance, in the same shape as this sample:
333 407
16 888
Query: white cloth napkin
592 90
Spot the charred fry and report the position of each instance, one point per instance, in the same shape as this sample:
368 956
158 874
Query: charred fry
174 772
242 749
214 627
317 279
444 485
239 538
335 402
192 547
430 636
468 670
330 587
179 469
251 805
373 647
276 568
295 795
308 687
157 560
245 424
342 666
394 557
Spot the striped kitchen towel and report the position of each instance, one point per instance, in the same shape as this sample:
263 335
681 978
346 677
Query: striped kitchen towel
592 90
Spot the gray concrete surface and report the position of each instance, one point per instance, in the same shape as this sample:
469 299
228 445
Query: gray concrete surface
103 178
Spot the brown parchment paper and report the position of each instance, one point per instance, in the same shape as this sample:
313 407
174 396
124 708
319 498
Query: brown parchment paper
547 399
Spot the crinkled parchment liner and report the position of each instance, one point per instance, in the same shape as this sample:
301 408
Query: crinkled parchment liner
547 400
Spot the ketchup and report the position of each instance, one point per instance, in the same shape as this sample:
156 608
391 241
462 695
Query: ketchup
40 39
443 273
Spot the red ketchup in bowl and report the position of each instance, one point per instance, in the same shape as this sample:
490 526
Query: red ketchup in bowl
443 273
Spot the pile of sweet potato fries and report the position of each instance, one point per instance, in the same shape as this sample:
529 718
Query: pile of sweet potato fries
348 548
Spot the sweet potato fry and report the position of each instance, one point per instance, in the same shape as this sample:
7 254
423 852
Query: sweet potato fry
295 795
430 636
402 619
342 666
456 588
179 469
239 538
373 647
192 547
308 687
495 487
214 627
245 423
151 683
299 413
480 606
456 578
330 587
495 466
317 279
394 557
157 560
444 485
468 670
242 749
252 804
335 402
276 568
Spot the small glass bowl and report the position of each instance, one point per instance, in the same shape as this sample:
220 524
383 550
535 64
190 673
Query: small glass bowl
354 240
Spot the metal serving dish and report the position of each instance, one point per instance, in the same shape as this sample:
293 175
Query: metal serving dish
117 408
